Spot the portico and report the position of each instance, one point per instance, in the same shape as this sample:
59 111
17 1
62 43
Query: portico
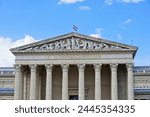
74 65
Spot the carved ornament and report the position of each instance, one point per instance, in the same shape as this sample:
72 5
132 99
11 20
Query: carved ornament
74 44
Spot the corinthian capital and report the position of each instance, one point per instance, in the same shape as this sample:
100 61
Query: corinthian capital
97 67
130 66
81 66
65 67
114 66
49 66
17 67
33 67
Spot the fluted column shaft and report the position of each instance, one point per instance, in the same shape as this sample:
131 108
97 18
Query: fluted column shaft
130 82
25 85
114 84
48 82
33 82
18 93
97 81
81 81
65 81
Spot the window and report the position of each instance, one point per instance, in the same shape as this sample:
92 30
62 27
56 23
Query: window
73 97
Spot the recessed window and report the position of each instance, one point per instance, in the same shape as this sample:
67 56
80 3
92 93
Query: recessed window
73 97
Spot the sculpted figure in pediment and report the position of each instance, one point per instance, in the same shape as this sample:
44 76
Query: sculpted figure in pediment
44 47
65 44
74 44
50 46
83 44
57 45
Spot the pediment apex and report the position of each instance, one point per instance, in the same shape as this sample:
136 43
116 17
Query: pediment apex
73 42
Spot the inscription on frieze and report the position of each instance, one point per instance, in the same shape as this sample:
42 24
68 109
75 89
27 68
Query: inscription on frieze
79 56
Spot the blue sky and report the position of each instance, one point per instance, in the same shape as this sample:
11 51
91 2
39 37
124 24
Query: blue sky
125 21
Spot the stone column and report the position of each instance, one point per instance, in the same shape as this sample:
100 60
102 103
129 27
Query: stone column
65 81
28 86
81 81
33 82
40 87
114 84
18 93
25 84
130 82
37 83
49 82
97 81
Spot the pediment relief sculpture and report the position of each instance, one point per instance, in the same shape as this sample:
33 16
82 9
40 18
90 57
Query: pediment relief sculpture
74 44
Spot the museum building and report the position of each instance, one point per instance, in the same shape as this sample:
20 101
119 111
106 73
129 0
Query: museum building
75 66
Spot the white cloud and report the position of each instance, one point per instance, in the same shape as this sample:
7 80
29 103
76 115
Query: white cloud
7 58
26 40
98 33
109 2
125 23
95 35
132 1
84 8
119 36
69 1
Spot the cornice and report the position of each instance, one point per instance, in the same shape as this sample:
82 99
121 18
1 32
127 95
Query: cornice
73 51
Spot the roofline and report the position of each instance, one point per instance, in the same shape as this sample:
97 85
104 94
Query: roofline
73 34
134 48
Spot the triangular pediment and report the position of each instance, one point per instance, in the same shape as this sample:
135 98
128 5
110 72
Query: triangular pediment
73 42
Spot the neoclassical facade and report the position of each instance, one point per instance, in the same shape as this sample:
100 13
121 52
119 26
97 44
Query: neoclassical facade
141 76
74 66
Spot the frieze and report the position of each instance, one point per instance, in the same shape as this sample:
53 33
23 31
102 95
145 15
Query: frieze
141 81
79 56
74 44
144 84
6 84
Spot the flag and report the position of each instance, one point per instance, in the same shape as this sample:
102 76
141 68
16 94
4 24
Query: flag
75 27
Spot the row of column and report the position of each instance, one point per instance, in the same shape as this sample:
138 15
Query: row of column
81 92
